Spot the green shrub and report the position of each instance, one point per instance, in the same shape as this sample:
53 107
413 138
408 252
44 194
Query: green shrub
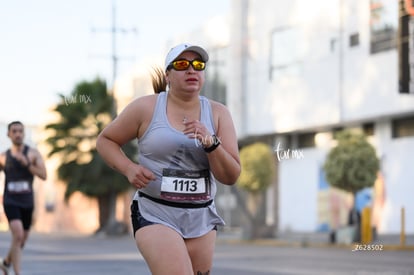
257 167
353 164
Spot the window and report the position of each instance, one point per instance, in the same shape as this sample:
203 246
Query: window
383 25
286 52
306 140
354 40
403 127
405 51
368 128
215 85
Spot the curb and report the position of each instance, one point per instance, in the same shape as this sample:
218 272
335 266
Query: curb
304 244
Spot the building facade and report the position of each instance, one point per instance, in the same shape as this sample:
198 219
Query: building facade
303 70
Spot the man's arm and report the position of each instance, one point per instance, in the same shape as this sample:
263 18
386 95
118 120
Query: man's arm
36 164
2 161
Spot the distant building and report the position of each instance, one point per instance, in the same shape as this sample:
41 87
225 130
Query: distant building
302 70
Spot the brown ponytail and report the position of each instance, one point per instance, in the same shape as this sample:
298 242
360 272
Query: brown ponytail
159 83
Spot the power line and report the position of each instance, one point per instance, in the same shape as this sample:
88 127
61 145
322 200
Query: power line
114 30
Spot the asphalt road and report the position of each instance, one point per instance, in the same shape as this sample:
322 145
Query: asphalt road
64 255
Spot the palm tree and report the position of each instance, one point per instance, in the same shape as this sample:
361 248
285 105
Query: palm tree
82 116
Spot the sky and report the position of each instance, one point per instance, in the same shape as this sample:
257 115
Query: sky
47 46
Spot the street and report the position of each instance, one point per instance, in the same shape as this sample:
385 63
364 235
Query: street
54 254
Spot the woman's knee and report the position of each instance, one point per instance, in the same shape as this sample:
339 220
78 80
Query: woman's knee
201 252
164 250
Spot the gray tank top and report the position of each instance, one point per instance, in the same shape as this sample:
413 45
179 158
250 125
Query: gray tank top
182 174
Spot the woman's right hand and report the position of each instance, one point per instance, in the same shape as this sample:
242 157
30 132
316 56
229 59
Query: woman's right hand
139 176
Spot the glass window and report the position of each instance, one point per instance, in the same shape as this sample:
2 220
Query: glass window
403 127
383 25
354 40
368 129
287 51
216 73
306 140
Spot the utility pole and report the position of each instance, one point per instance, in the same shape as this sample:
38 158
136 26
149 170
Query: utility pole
244 66
111 222
114 51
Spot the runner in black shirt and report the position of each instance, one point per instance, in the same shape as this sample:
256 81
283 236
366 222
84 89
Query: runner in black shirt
20 164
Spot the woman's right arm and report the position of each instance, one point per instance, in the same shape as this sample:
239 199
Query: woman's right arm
125 127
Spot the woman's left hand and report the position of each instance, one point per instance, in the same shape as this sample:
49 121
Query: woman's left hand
196 129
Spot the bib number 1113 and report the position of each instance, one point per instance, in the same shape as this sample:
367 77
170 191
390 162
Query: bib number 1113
185 185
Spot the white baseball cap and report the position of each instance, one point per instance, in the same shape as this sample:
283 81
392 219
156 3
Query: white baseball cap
179 49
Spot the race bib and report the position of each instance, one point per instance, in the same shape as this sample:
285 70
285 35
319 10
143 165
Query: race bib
18 187
185 185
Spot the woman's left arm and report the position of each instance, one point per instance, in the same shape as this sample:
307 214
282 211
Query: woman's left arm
224 160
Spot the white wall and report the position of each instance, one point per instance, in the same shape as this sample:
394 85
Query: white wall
298 191
399 179
397 157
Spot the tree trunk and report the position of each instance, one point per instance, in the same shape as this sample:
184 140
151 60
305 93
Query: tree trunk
241 203
103 212
355 220
113 226
254 212
107 216
111 200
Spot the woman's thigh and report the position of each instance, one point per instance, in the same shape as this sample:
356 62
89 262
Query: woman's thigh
164 250
201 252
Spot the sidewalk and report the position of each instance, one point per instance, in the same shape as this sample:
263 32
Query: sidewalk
77 254
320 239
324 238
